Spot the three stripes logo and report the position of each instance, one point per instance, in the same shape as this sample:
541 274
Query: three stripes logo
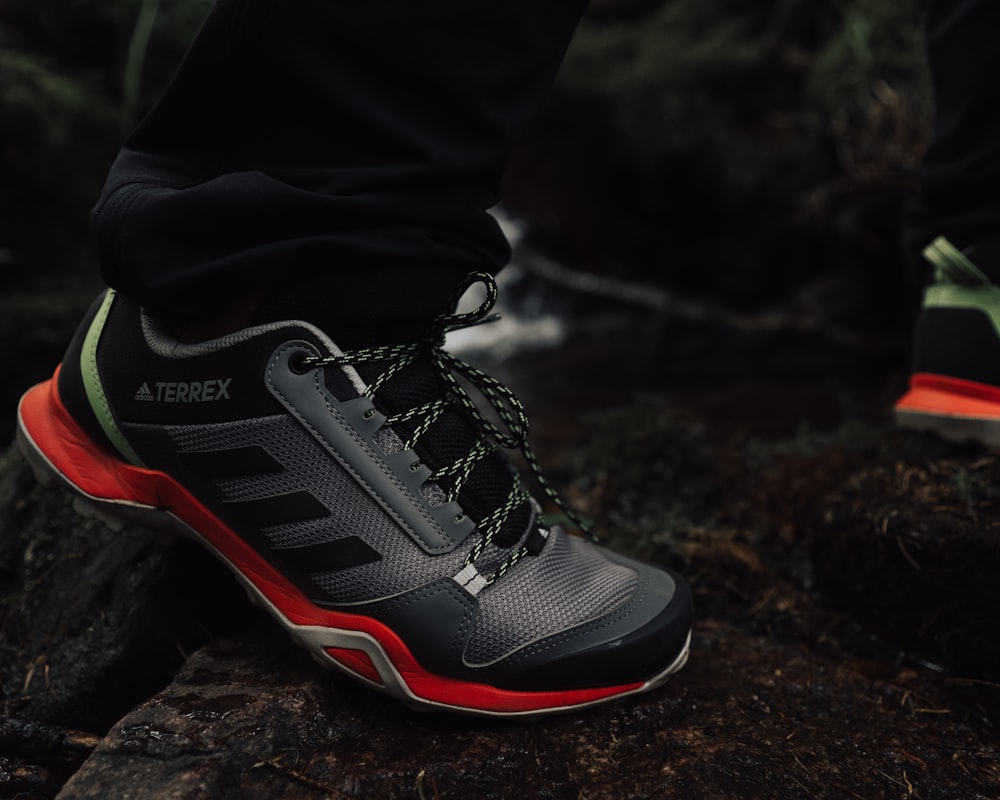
144 393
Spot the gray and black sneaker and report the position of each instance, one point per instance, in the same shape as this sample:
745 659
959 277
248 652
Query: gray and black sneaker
365 501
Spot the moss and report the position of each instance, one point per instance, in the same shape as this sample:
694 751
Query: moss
650 476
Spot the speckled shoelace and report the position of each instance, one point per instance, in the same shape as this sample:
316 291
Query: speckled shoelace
513 435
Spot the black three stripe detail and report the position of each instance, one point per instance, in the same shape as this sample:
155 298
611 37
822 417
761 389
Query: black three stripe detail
350 551
240 462
280 509
244 462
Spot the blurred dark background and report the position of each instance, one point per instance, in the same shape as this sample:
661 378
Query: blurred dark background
751 154
731 148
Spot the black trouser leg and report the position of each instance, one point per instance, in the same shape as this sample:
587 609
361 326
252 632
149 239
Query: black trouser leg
959 193
344 150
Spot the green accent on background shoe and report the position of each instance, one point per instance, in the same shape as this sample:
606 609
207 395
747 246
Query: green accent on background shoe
959 283
951 265
95 389
978 298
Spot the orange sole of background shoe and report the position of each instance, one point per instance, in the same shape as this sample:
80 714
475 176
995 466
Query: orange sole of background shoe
955 409
61 453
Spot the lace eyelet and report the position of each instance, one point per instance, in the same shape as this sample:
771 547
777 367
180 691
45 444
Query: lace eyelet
369 413
297 363
416 465
460 518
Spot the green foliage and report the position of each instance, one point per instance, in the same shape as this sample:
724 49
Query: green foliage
751 82
874 41
654 472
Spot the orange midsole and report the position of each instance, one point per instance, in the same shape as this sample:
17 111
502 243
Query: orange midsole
104 476
940 394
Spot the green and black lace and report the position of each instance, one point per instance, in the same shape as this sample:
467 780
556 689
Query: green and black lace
511 434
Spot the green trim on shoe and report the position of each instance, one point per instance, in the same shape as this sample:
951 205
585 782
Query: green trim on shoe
959 283
951 265
985 299
95 389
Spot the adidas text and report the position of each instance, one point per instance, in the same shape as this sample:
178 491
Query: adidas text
186 391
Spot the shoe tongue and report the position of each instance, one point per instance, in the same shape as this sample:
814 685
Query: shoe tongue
448 440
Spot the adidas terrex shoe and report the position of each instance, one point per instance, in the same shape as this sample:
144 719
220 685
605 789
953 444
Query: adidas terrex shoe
363 499
955 386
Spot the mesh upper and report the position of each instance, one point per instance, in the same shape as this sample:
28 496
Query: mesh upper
567 585
307 466
570 583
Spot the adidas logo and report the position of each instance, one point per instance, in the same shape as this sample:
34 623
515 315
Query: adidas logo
185 391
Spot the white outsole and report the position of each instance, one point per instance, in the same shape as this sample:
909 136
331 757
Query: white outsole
953 427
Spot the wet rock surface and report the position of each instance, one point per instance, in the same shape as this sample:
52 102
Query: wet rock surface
842 572
752 717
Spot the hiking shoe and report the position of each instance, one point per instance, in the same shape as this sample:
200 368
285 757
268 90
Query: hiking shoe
364 500
955 385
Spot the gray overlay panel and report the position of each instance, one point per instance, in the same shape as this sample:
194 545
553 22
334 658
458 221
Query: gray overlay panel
341 427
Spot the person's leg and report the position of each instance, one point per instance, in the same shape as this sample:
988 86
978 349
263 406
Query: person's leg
337 158
954 223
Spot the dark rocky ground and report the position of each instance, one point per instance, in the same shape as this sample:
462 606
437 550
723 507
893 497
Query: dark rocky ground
844 572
